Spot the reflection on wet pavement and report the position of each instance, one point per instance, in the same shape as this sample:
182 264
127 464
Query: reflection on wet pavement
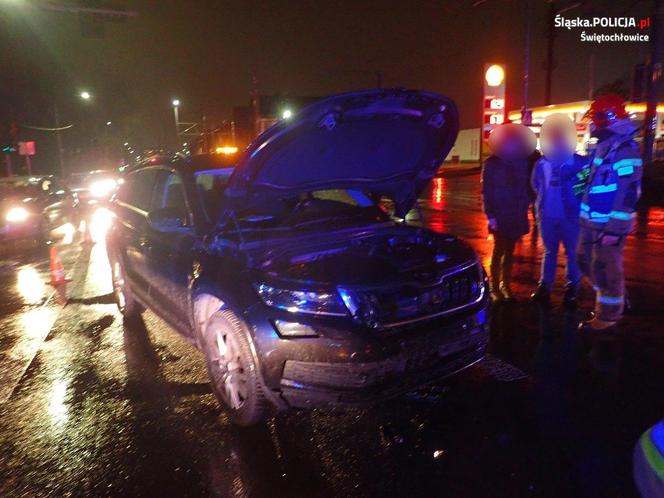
113 408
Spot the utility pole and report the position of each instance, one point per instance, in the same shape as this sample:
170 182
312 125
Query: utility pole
8 163
255 104
653 83
526 63
591 76
61 162
550 63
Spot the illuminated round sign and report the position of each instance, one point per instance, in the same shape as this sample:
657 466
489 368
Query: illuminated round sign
495 75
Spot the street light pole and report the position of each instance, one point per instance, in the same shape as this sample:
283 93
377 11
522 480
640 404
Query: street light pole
176 115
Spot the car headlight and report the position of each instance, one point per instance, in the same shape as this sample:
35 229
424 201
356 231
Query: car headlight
102 188
298 301
17 214
294 329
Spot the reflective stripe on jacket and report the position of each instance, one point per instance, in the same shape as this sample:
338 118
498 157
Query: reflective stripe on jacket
613 187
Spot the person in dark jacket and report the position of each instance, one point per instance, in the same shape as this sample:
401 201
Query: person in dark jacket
554 179
506 194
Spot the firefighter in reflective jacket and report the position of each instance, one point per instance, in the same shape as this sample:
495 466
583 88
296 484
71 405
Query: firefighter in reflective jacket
612 186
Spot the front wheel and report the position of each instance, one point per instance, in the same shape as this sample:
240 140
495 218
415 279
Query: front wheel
233 372
124 298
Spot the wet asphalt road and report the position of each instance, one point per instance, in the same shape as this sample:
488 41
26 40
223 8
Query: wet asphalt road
92 406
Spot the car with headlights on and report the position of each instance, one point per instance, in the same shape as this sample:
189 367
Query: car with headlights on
94 187
287 272
35 208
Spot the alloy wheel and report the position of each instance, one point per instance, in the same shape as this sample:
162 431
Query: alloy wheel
118 286
229 369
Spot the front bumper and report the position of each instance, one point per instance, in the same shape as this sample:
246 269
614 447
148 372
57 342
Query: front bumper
329 384
27 230
329 371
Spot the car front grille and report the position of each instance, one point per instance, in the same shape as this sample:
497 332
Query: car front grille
396 306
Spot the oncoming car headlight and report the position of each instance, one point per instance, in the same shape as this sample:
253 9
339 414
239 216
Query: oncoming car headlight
17 214
102 188
297 301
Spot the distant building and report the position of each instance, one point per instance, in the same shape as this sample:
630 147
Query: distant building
466 147
576 111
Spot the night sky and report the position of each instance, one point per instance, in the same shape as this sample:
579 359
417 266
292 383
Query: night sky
204 52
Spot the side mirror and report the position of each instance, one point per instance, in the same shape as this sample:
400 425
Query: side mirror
167 218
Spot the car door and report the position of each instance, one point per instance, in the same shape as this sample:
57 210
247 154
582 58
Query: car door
132 205
171 250
61 204
55 205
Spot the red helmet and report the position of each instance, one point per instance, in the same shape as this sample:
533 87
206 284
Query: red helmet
606 110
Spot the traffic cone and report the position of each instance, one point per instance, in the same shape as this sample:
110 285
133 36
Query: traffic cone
58 278
87 236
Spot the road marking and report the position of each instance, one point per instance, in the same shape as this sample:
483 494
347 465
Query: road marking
36 325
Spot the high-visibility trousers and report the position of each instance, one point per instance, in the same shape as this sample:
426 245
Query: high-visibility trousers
603 265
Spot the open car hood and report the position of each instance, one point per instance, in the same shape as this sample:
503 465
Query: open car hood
384 142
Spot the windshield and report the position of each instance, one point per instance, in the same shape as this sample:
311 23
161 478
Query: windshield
83 180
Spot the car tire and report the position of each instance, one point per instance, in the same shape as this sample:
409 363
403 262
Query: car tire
233 373
124 297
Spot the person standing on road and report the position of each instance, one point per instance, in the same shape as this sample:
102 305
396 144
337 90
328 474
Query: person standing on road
506 195
553 180
607 209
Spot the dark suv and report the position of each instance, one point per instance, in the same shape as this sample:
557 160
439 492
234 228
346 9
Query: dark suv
288 271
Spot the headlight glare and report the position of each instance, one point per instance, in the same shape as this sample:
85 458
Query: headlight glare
102 188
299 301
17 214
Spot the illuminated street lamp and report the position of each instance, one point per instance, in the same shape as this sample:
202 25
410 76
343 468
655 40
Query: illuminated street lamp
176 106
84 95
109 123
287 114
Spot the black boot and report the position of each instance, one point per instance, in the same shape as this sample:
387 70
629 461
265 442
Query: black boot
571 295
598 328
627 307
496 294
541 294
506 290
